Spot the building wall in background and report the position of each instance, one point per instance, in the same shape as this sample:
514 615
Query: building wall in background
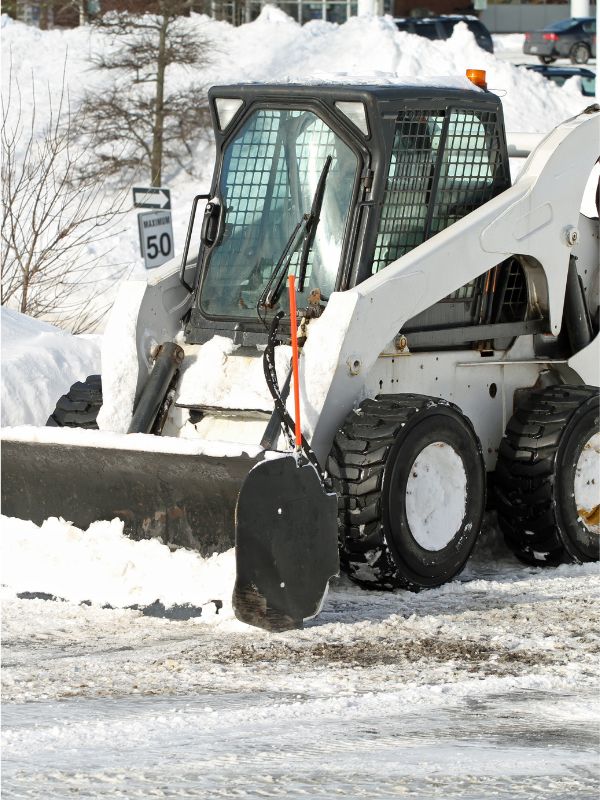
498 17
521 17
408 8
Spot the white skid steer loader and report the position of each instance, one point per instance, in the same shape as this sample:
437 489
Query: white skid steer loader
448 338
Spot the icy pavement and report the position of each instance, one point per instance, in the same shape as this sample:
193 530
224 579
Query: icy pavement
484 688
522 744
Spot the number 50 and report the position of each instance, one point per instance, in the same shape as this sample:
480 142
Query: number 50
163 245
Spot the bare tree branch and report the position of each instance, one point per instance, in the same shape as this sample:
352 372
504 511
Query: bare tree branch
52 220
140 124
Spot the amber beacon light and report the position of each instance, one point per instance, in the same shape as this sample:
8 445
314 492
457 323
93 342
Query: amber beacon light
477 76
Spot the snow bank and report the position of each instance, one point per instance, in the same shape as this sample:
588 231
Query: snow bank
275 48
508 43
120 359
272 48
39 364
132 441
103 566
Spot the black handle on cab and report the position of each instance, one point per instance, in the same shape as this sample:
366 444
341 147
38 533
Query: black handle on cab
188 239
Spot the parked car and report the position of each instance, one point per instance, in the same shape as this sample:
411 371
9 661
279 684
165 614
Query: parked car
559 75
442 27
573 38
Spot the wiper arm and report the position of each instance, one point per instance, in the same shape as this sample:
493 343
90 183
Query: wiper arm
308 224
268 296
312 223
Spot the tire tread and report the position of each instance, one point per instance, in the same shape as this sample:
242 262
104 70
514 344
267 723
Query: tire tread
525 472
80 406
357 467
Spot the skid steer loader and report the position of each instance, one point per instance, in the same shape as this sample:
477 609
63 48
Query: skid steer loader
447 341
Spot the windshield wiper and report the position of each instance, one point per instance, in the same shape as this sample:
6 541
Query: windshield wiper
268 296
307 225
312 223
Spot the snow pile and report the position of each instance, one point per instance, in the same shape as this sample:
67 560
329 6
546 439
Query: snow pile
130 441
508 43
211 378
120 365
103 566
272 48
39 364
276 48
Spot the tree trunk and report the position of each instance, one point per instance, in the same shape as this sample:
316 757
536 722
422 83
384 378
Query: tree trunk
81 7
159 115
24 295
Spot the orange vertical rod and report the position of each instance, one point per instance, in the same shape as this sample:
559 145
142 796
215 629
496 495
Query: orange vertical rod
294 335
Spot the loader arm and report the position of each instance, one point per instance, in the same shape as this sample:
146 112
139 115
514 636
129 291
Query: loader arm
537 218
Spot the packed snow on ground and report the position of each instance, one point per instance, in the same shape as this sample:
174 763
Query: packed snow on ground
487 686
39 364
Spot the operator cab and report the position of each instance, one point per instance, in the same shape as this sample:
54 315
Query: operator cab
333 183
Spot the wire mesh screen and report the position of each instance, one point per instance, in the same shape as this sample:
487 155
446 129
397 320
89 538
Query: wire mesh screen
252 156
408 187
270 173
514 301
444 164
260 178
468 168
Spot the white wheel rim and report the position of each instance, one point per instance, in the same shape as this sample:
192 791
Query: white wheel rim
436 496
587 484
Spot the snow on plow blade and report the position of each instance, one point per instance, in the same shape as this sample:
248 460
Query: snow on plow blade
286 545
184 498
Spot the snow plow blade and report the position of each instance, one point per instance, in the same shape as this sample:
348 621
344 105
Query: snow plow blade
186 500
285 545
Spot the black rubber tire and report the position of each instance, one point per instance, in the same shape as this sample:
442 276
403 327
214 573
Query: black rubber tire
372 457
580 53
535 475
547 59
80 406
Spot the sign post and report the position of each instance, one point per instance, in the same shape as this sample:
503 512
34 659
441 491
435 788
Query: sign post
155 227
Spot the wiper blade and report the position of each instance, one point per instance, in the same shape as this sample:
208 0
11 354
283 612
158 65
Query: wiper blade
311 225
308 225
268 295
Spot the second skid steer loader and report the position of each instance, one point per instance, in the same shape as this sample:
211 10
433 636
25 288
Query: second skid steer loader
447 341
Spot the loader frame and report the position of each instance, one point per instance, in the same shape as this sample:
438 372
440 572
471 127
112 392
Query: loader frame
536 222
386 331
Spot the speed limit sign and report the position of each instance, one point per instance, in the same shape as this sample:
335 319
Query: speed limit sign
156 237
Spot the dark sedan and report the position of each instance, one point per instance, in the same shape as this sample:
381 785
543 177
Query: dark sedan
573 38
559 75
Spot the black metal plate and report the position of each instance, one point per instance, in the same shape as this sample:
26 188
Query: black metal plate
286 545
185 500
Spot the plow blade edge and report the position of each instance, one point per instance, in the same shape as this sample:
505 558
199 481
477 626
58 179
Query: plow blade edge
185 500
